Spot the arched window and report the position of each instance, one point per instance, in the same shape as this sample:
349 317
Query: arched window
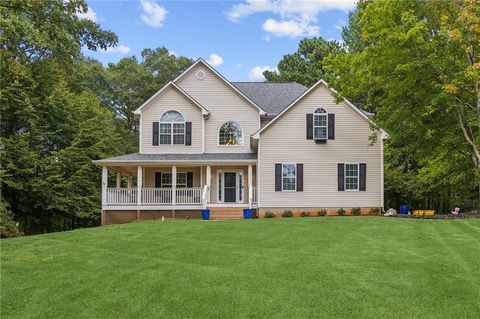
320 124
172 128
230 133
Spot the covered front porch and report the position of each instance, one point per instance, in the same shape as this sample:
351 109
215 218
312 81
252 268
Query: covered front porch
177 186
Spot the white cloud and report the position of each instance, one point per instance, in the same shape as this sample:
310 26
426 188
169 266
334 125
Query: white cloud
154 14
89 15
289 28
122 49
256 74
215 60
296 17
237 66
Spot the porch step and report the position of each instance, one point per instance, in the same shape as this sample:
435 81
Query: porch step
226 213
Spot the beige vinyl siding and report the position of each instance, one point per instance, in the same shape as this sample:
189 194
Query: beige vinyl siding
285 142
224 105
171 99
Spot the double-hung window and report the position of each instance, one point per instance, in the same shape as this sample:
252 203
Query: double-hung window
351 177
172 128
181 180
320 124
289 177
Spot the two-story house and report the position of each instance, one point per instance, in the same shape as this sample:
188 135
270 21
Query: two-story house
207 143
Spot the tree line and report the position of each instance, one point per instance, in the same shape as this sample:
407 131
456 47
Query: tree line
414 64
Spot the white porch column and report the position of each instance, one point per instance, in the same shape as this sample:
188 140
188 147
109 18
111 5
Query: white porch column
129 183
139 185
104 184
208 180
174 185
119 180
250 187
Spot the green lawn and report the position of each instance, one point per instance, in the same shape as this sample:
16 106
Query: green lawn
363 267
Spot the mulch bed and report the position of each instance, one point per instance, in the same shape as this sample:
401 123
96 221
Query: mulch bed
441 216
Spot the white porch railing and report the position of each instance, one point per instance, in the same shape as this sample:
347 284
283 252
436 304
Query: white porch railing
156 196
121 196
188 196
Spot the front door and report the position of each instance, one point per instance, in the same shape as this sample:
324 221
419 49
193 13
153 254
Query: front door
230 187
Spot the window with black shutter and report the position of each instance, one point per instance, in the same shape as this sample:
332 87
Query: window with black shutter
363 177
188 133
299 177
341 177
278 177
155 133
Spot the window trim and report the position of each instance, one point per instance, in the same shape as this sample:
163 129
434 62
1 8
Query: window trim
171 129
320 126
218 135
171 177
290 190
345 177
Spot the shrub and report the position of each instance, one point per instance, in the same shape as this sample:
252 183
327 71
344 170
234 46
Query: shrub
287 213
341 212
8 226
375 211
322 212
356 211
305 214
269 215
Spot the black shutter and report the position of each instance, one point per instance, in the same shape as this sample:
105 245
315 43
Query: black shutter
158 179
189 179
309 126
331 126
188 133
155 133
363 177
341 177
299 177
278 177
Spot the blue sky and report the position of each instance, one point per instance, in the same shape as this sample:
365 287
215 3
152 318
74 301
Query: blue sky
239 38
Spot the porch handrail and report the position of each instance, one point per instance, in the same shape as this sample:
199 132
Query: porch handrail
156 196
205 196
121 196
188 196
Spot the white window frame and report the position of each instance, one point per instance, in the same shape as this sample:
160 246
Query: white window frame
179 185
226 145
295 177
345 177
172 134
325 114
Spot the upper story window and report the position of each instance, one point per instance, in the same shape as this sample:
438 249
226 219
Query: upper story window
230 133
172 128
320 124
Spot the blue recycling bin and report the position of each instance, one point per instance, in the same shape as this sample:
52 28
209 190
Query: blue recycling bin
404 209
247 213
205 214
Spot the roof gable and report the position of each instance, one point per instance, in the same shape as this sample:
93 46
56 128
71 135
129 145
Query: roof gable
171 85
223 79
321 82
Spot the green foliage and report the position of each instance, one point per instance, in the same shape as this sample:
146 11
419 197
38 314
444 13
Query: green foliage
356 211
415 63
322 212
269 214
287 213
341 212
305 214
306 65
8 226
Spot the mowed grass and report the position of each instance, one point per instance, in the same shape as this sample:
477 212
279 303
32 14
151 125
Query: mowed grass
342 267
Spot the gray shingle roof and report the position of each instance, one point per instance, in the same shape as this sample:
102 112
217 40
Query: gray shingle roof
272 97
136 157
